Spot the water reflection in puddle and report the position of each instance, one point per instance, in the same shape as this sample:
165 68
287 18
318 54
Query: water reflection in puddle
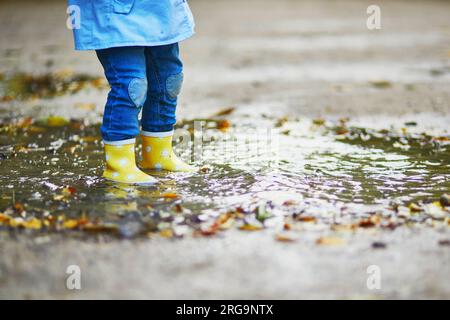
302 162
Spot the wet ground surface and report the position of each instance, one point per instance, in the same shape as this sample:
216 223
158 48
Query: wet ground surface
322 149
275 173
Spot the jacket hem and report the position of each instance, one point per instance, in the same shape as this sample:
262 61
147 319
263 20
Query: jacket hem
144 43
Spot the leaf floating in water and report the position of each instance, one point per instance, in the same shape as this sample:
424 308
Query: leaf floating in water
282 237
370 222
167 233
223 125
56 121
70 224
319 122
381 84
224 112
170 195
330 241
250 227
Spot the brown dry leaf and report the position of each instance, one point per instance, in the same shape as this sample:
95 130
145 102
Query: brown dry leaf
100 227
343 227
285 238
306 219
330 241
18 207
341 130
178 208
319 122
225 221
224 112
35 129
381 84
4 218
209 231
25 122
281 121
204 169
250 227
69 191
227 224
370 222
223 125
98 82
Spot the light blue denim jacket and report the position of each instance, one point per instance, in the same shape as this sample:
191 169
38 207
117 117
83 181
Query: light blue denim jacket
118 23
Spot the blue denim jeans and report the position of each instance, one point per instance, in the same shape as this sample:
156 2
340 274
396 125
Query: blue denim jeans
147 78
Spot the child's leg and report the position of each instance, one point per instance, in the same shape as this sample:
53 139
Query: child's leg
125 70
165 77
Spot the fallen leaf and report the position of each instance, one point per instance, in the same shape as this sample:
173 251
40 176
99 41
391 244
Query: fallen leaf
18 207
166 233
330 241
250 227
381 84
319 122
4 217
285 238
224 112
170 195
223 125
70 224
32 223
414 207
306 218
56 121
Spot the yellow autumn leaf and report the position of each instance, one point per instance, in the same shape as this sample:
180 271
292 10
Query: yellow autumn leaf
284 238
166 233
4 218
70 224
250 227
56 121
330 241
32 223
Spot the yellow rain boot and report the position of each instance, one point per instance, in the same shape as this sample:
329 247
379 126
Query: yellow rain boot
157 153
121 163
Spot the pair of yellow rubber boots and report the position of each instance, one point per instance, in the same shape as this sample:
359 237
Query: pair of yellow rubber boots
157 153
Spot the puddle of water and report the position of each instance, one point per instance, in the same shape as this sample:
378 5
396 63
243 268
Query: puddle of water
330 172
25 86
